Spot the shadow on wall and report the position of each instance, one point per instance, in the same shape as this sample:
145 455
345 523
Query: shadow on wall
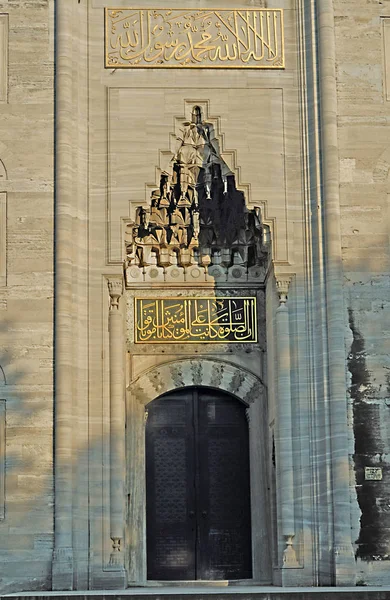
26 531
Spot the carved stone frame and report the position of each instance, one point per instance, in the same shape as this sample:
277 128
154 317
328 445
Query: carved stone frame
78 556
211 373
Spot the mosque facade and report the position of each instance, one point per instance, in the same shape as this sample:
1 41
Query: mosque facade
194 286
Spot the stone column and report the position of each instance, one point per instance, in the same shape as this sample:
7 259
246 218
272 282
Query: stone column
284 425
62 571
344 560
117 423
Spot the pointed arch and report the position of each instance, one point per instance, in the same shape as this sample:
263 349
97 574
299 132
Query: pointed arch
207 372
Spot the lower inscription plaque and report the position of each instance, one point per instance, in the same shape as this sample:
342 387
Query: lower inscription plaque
195 320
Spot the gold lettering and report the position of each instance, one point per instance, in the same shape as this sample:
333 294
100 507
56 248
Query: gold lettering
175 38
196 319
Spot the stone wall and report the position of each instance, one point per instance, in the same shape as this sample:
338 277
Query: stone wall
26 289
364 152
26 263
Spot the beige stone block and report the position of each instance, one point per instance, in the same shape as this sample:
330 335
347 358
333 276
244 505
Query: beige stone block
20 542
362 240
2 456
18 434
36 283
31 568
386 56
30 413
364 219
347 169
3 239
41 485
4 34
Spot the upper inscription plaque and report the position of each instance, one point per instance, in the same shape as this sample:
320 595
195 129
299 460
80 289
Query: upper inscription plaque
194 38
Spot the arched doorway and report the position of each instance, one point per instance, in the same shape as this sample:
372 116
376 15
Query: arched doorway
198 517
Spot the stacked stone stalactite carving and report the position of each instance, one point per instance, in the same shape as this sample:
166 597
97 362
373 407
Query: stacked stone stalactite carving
197 225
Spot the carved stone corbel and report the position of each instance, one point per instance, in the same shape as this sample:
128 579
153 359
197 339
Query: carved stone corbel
115 289
282 286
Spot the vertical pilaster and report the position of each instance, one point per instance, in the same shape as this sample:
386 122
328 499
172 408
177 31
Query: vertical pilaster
3 238
344 560
284 425
62 573
117 423
4 35
2 459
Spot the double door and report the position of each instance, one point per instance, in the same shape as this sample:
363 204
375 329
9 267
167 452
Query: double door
197 487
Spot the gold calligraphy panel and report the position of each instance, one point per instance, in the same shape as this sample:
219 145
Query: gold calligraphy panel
195 320
240 38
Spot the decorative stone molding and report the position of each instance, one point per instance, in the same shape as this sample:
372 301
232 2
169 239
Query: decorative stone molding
115 289
177 376
156 381
282 286
237 381
139 392
216 375
289 554
197 372
253 394
189 372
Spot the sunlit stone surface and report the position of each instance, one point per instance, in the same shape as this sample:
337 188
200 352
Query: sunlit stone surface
124 184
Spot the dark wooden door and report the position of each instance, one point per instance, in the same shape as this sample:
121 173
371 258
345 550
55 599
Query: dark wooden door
197 487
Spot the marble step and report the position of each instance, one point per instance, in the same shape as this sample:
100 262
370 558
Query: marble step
214 592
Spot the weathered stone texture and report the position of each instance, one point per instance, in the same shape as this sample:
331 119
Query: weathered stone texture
26 298
364 114
131 117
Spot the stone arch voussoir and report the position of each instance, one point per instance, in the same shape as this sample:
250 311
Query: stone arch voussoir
208 372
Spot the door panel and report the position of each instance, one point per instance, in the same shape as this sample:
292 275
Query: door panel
198 496
225 520
170 507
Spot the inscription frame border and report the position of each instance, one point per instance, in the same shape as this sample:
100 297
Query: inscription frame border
253 341
281 67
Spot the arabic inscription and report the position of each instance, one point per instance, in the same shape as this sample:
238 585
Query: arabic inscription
195 320
241 38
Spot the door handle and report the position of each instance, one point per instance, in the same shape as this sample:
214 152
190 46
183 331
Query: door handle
191 514
204 513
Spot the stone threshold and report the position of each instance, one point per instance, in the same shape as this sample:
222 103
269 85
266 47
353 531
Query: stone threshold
204 589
